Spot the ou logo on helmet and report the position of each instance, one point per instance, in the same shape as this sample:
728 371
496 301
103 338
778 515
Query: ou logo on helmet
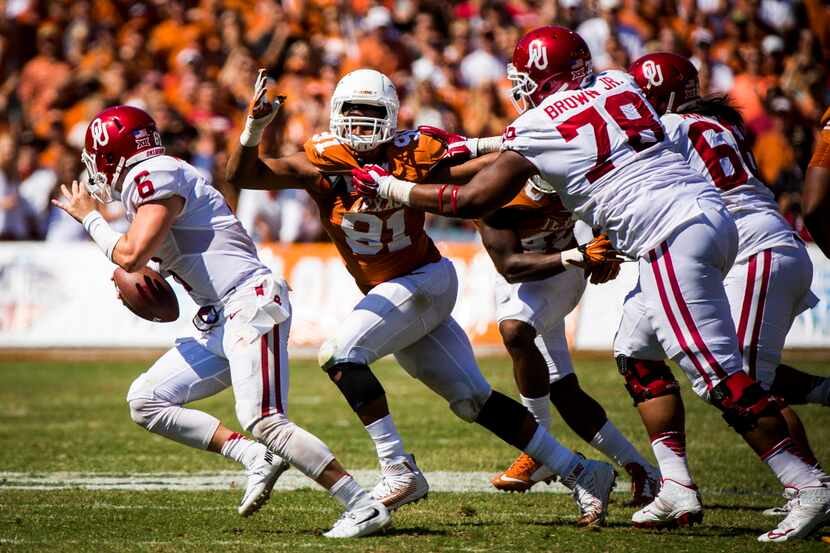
537 55
653 72
100 136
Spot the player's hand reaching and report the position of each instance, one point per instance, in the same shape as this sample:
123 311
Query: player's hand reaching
368 180
78 203
261 111
600 260
458 146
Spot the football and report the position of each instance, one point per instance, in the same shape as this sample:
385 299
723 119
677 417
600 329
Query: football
147 294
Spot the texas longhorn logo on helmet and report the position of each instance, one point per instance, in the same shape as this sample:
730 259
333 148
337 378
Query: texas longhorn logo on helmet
537 55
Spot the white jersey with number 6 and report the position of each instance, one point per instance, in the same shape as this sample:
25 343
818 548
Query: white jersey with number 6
207 251
719 154
604 150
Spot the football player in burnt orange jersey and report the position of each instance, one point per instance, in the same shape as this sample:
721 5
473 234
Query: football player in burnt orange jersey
526 240
410 288
816 195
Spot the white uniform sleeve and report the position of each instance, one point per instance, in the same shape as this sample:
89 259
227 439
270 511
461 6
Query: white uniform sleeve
156 179
527 137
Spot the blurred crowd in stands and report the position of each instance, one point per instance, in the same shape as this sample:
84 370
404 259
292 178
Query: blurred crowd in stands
192 66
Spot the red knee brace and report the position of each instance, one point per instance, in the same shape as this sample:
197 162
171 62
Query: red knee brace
646 379
742 400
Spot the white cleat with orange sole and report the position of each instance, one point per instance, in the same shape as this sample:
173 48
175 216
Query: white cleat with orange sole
591 483
401 483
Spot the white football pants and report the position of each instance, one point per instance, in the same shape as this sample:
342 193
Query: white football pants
679 308
767 291
543 304
409 317
247 349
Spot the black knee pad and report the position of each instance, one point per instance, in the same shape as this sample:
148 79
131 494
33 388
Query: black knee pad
646 379
743 401
357 383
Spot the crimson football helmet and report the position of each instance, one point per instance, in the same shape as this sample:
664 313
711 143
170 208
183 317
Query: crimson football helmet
117 138
545 61
668 80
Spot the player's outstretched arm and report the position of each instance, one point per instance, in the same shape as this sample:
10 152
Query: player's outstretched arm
132 250
491 188
504 246
459 174
815 205
245 169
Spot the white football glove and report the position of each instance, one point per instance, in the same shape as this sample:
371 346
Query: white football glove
260 113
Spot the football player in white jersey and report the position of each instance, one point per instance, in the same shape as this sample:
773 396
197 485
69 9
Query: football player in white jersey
534 292
409 288
769 284
184 224
601 147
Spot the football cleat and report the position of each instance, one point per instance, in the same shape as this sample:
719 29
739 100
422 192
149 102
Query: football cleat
522 475
645 483
809 511
591 483
361 521
400 483
782 511
676 505
262 475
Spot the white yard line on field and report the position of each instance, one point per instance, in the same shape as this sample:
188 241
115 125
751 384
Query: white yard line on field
439 481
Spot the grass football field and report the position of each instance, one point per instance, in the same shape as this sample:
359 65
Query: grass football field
63 420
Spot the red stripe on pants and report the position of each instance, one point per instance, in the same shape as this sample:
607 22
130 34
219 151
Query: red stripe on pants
759 312
266 388
687 316
277 367
746 307
664 299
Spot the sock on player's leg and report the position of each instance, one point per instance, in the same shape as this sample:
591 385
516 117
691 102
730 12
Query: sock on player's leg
349 493
545 448
242 450
539 408
610 441
388 441
511 422
789 467
670 451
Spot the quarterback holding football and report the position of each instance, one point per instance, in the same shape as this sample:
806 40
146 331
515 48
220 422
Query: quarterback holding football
185 225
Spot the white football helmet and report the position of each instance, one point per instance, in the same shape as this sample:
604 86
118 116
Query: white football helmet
366 87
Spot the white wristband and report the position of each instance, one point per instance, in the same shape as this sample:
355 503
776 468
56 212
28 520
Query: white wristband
395 189
569 257
101 232
252 133
488 144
